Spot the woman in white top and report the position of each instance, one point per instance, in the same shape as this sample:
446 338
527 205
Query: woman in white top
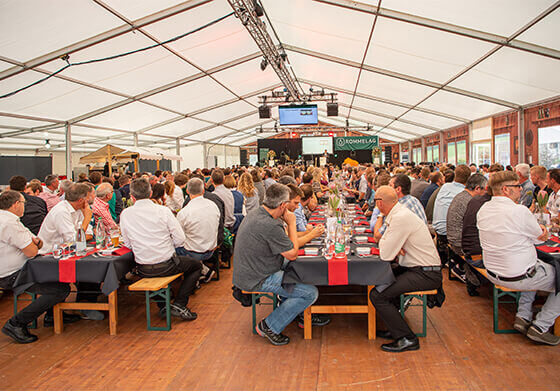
174 199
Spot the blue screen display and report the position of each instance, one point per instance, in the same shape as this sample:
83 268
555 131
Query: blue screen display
298 115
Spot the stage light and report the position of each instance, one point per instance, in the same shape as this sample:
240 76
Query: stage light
276 127
258 8
264 63
47 144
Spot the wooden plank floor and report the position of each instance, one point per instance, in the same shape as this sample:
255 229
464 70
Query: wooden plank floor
219 352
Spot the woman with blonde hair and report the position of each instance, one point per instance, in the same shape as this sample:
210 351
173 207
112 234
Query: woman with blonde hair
170 201
246 187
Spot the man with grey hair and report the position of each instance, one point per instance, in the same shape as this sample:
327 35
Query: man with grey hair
261 245
50 191
153 233
64 187
523 172
104 193
200 220
287 180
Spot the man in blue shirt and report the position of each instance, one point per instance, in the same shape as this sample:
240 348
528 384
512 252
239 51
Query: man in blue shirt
301 221
436 180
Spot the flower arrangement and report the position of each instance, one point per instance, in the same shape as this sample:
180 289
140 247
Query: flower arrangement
542 199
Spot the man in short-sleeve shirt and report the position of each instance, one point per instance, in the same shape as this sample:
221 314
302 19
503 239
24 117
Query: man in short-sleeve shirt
261 246
17 244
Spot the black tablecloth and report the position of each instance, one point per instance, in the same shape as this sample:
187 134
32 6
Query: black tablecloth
108 270
553 259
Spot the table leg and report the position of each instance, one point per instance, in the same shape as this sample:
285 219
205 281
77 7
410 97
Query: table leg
371 315
557 327
307 326
57 316
113 316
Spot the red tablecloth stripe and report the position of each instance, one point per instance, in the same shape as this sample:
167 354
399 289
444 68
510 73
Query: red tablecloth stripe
555 239
338 271
67 268
549 249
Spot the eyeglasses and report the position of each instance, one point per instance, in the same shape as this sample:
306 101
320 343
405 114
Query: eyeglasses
518 186
23 202
378 199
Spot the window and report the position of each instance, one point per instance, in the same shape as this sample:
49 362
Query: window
481 153
501 146
429 154
451 158
417 155
435 153
549 147
461 152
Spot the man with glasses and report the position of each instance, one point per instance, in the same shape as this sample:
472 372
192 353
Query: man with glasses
419 268
100 208
17 244
508 234
261 245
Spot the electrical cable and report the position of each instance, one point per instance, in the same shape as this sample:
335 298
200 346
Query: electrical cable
116 55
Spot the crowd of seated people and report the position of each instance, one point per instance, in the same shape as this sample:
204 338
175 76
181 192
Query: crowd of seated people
177 223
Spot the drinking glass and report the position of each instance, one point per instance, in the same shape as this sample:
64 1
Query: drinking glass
57 250
114 234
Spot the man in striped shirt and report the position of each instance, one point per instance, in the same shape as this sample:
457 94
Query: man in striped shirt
104 193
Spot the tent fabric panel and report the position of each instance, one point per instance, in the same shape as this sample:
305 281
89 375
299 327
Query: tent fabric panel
45 26
133 116
421 52
326 29
544 33
430 119
380 107
322 71
54 98
502 17
138 9
20 122
497 77
253 121
178 128
77 129
226 112
206 47
247 77
192 96
132 74
392 88
461 106
211 133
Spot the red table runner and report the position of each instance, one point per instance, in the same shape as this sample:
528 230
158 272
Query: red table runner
338 271
67 267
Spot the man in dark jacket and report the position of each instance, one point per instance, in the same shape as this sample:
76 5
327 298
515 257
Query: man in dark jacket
35 207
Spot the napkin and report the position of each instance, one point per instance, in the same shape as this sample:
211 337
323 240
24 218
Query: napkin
554 239
368 231
121 251
549 249
371 240
374 251
363 222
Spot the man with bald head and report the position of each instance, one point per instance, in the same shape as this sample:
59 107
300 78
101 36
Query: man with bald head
408 241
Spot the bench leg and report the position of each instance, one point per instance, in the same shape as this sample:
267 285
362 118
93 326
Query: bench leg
307 324
254 311
424 316
496 295
165 294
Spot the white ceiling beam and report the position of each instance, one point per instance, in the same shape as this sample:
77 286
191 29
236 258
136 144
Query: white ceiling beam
402 76
387 101
451 28
142 22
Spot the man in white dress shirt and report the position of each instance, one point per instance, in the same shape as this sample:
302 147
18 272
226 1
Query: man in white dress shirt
419 267
17 244
226 195
153 233
508 234
200 220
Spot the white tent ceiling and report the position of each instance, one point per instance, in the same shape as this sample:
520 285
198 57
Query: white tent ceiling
405 68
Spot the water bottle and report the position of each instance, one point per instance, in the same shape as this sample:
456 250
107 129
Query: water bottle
99 234
340 239
81 242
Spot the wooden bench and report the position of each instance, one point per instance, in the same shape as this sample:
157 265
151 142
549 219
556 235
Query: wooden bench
422 296
156 287
255 297
341 309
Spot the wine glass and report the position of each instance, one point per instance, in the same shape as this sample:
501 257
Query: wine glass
57 250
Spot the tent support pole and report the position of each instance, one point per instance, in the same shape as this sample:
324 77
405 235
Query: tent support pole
178 152
520 136
68 140
109 160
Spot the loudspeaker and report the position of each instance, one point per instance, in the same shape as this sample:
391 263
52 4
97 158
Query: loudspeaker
388 153
332 109
243 159
264 111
